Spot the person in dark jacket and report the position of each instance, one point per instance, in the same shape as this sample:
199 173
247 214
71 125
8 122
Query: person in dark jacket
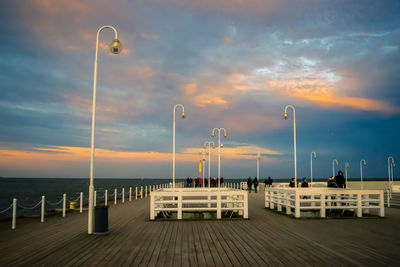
255 182
249 182
292 183
304 183
340 181
269 181
266 182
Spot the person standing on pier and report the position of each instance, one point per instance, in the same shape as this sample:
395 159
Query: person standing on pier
269 181
266 183
340 181
292 183
255 182
249 182
304 183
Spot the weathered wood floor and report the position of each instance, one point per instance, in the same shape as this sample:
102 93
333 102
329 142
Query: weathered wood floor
267 238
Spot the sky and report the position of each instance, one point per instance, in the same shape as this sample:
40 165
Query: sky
233 64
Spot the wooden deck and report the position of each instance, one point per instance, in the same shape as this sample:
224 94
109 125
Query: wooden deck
267 238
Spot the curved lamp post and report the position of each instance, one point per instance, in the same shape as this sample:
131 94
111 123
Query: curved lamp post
219 149
333 166
115 48
203 159
346 166
258 167
173 141
312 155
391 164
208 143
362 162
285 116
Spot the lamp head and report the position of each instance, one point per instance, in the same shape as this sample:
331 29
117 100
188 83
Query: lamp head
212 134
285 116
116 47
225 135
222 145
183 114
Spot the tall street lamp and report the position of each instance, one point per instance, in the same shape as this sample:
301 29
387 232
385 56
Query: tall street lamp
115 48
312 155
173 141
333 166
219 150
258 167
346 166
391 164
362 162
203 159
208 143
285 116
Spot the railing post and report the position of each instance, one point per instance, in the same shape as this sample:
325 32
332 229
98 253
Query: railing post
145 191
81 203
297 204
359 205
245 205
123 195
106 197
64 203
179 206
388 198
323 206
381 205
130 193
115 196
266 204
136 193
279 201
95 198
152 211
14 214
219 214
42 213
271 200
288 208
141 192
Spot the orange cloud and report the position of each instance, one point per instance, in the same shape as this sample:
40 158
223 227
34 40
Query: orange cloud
239 152
323 94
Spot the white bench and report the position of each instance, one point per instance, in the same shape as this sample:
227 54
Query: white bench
324 198
198 199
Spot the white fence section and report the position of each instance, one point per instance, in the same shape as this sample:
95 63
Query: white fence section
300 199
198 200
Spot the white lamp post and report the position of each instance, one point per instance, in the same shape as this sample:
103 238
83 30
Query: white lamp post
346 166
173 141
203 159
219 150
285 116
333 166
208 143
391 164
115 48
258 166
312 155
361 169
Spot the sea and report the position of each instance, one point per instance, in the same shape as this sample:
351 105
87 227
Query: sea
29 191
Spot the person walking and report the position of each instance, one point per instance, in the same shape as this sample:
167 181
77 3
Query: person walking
255 182
249 182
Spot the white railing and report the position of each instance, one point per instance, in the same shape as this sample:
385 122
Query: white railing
183 200
41 205
322 199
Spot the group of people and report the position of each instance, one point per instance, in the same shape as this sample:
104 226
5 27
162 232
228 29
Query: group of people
336 182
251 182
198 182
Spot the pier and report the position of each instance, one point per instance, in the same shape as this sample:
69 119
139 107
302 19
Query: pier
266 238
